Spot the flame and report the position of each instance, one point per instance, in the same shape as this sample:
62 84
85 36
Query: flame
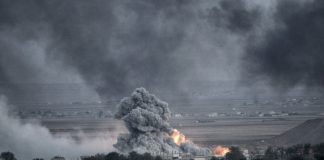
178 137
220 151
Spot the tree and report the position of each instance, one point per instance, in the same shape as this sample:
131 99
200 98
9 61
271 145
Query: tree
319 151
95 157
147 156
307 148
158 158
296 157
213 158
8 156
270 154
134 156
216 158
112 156
235 154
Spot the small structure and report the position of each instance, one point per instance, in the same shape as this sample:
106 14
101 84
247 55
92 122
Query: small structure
216 157
176 156
246 154
200 158
58 158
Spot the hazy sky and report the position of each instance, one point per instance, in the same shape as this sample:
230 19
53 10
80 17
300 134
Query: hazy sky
116 46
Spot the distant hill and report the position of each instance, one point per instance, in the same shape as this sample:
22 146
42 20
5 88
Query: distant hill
311 131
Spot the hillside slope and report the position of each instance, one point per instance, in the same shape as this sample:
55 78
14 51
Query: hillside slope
311 131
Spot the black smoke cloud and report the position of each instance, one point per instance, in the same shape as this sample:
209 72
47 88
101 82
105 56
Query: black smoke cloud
292 53
115 46
126 57
234 15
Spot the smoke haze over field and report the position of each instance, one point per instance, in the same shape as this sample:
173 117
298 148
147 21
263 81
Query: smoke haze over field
31 140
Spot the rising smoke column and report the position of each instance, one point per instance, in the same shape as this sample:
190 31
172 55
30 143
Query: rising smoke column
147 120
29 140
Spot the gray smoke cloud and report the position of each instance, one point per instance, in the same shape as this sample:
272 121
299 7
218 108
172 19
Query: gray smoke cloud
235 16
291 52
115 46
28 140
105 43
147 120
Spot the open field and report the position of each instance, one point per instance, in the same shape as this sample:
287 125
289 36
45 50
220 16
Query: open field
224 117
202 130
236 130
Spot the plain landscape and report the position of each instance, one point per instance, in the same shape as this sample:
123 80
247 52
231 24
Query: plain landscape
210 119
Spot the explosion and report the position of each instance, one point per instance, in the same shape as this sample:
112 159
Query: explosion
220 151
147 119
178 137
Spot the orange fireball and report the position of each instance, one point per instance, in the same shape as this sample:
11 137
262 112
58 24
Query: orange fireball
178 137
220 151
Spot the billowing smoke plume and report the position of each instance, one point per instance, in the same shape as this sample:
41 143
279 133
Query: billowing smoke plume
115 46
292 52
147 120
235 16
31 140
103 42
